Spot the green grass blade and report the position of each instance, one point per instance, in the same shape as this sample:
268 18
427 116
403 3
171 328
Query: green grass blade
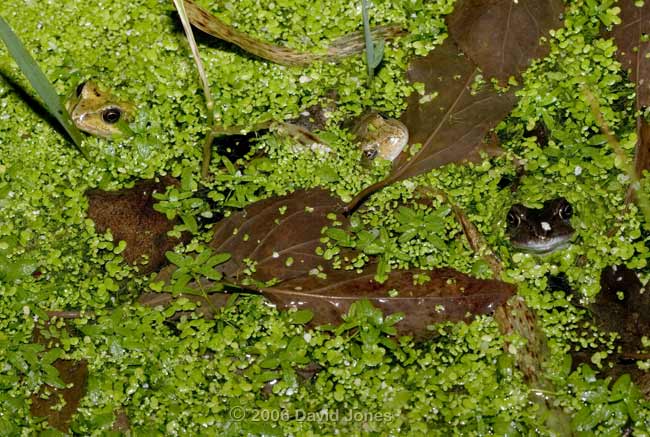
43 87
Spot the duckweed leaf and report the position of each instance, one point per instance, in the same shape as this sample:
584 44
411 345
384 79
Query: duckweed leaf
503 36
276 238
130 216
448 296
450 121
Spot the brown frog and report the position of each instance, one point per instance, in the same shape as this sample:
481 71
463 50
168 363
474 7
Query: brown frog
380 137
98 112
541 231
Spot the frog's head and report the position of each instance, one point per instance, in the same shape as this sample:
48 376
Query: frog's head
98 112
542 230
380 137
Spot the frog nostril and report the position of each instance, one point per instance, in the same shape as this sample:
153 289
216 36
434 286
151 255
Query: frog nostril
111 115
370 154
545 229
80 88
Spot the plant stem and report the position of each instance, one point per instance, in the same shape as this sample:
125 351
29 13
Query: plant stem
209 102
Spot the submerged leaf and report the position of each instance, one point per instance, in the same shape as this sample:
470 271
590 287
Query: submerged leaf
276 238
452 123
503 36
623 307
46 402
448 296
631 38
130 216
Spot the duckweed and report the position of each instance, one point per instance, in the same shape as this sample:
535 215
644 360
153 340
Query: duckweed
247 371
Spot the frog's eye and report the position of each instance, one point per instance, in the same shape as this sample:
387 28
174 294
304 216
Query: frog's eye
370 153
565 211
111 115
513 219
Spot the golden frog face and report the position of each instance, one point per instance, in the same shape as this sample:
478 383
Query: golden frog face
380 137
99 112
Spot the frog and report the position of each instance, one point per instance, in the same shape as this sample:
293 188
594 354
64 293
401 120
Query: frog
541 231
98 112
380 137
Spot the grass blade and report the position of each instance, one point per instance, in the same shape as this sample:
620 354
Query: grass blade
43 87
187 27
366 31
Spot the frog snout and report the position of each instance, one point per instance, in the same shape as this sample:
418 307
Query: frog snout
543 230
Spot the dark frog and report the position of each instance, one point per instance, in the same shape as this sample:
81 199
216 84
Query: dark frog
542 230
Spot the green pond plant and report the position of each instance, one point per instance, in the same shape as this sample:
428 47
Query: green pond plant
159 367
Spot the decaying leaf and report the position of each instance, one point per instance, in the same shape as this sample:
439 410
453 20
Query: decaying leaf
452 118
46 401
265 236
503 36
631 38
448 295
345 46
70 372
622 307
130 216
277 236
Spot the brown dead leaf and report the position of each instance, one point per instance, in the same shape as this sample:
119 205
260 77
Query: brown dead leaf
503 36
130 216
278 235
71 372
448 296
633 53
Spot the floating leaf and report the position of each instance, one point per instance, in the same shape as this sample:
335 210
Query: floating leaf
278 236
130 216
43 87
503 36
450 125
448 296
264 237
